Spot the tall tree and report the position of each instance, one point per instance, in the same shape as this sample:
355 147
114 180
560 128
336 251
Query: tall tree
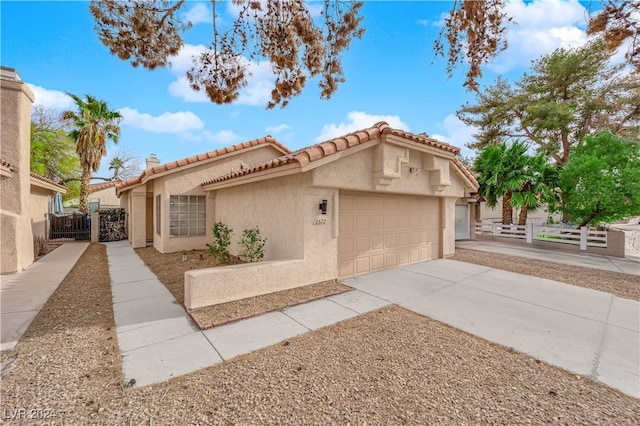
474 33
566 96
500 174
601 181
539 187
53 151
284 32
125 165
94 123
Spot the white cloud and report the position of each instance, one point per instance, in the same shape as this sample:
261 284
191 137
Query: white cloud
167 122
358 120
277 129
199 14
456 133
183 61
540 27
223 137
51 99
257 92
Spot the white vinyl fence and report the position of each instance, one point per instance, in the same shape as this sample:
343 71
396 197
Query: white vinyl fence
584 237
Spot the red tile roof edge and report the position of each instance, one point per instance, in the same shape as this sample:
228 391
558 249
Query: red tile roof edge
45 180
120 186
103 185
468 173
324 149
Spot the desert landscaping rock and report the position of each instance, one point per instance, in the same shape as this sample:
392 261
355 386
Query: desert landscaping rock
389 366
619 284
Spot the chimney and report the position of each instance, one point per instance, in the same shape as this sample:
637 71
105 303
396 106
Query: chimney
152 161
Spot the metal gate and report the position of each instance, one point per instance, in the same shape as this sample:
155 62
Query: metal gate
69 227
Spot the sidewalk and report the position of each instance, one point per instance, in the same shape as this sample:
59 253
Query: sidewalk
158 340
587 260
24 293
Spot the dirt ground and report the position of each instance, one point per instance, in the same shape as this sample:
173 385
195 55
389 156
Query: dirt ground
390 366
622 285
170 269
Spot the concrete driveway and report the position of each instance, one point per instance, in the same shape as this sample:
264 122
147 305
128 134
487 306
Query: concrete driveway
588 332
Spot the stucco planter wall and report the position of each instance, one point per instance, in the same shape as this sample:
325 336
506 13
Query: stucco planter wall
205 287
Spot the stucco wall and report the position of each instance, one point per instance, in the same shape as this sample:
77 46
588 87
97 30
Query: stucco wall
15 118
39 208
357 172
300 249
107 197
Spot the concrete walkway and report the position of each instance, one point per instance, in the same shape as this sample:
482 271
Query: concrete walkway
24 293
158 340
587 260
588 332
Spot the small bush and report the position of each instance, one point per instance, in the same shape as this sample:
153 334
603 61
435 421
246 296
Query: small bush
40 247
219 248
253 245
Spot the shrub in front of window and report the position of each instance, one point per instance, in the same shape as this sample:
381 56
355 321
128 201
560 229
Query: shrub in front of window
219 248
253 245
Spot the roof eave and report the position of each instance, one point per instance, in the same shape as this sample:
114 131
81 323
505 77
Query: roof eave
270 173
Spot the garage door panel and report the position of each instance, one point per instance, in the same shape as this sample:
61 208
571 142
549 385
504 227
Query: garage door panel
377 262
346 226
377 223
390 241
346 245
363 265
385 231
347 202
363 203
363 244
390 260
362 223
377 242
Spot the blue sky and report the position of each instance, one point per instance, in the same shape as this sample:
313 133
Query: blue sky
391 74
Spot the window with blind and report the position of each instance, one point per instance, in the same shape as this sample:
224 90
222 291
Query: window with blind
187 215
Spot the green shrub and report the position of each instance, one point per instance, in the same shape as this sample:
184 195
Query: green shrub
219 248
253 244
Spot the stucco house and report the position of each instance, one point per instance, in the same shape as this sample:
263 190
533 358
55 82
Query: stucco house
370 200
25 196
104 193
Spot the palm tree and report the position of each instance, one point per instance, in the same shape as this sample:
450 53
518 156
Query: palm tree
94 123
116 165
500 169
540 181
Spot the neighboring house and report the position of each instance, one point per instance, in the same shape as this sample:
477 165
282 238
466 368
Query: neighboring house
105 194
370 200
25 197
167 205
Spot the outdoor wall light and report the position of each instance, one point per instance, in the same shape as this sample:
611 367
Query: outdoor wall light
414 170
323 206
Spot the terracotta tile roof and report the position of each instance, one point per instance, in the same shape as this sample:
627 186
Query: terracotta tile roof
47 181
148 173
313 153
103 185
465 170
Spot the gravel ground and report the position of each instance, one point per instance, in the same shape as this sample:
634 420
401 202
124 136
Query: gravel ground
170 269
223 313
622 285
390 366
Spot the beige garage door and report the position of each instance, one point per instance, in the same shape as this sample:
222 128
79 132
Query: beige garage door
385 231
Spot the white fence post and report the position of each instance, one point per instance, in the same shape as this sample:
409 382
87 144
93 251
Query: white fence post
528 232
583 237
